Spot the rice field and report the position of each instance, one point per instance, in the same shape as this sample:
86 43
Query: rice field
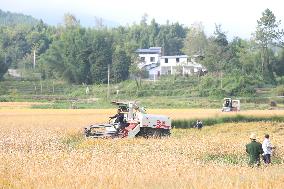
45 149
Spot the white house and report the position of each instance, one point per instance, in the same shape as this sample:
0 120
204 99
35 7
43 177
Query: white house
157 65
173 64
14 73
149 58
179 64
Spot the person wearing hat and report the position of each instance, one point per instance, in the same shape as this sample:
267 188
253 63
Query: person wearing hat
254 150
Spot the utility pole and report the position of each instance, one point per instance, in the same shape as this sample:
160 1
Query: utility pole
34 59
52 86
40 86
108 76
221 80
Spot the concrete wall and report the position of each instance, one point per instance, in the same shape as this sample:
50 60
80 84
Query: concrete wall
172 60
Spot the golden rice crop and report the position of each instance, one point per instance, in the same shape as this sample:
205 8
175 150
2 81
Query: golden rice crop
45 149
87 116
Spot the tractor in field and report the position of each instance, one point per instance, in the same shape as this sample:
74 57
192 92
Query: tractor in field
231 105
136 123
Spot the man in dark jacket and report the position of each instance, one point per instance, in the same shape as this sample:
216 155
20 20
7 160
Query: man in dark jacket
199 124
120 120
119 117
254 149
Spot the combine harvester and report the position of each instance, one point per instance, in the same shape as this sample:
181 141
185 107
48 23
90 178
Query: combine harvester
230 105
137 123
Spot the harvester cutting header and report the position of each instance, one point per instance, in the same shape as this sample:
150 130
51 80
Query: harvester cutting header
131 121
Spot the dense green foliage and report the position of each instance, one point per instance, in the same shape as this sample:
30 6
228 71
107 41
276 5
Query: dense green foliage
77 55
17 43
268 35
3 65
81 55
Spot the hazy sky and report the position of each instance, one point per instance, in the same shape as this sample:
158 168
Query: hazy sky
238 18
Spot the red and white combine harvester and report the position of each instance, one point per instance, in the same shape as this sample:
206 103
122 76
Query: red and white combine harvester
136 123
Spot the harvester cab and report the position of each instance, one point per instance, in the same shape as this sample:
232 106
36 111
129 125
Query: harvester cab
230 105
137 123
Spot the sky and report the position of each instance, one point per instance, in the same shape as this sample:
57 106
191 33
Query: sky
237 17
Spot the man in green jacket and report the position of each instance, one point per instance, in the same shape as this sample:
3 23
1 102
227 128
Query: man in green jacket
254 149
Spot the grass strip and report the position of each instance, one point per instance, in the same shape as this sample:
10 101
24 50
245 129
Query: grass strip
190 123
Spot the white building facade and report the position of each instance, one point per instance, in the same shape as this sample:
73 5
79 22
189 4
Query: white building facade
157 65
149 58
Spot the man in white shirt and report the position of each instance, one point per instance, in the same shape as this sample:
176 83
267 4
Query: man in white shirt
267 149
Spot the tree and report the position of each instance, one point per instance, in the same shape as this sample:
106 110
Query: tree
3 65
171 37
267 35
195 41
120 65
70 20
279 64
68 58
154 31
244 57
101 55
136 73
220 36
17 46
52 61
144 19
38 38
217 52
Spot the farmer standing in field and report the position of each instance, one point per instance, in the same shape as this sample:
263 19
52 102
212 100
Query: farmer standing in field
199 124
267 149
254 149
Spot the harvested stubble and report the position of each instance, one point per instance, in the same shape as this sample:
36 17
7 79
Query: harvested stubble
44 149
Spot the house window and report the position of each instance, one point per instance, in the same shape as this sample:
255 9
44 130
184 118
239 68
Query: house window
142 59
152 59
177 60
166 60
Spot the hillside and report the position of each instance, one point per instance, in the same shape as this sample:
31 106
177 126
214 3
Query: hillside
166 93
10 19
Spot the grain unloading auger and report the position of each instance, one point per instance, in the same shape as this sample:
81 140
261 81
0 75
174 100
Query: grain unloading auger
136 123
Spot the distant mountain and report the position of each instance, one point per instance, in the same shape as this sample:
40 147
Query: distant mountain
9 19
